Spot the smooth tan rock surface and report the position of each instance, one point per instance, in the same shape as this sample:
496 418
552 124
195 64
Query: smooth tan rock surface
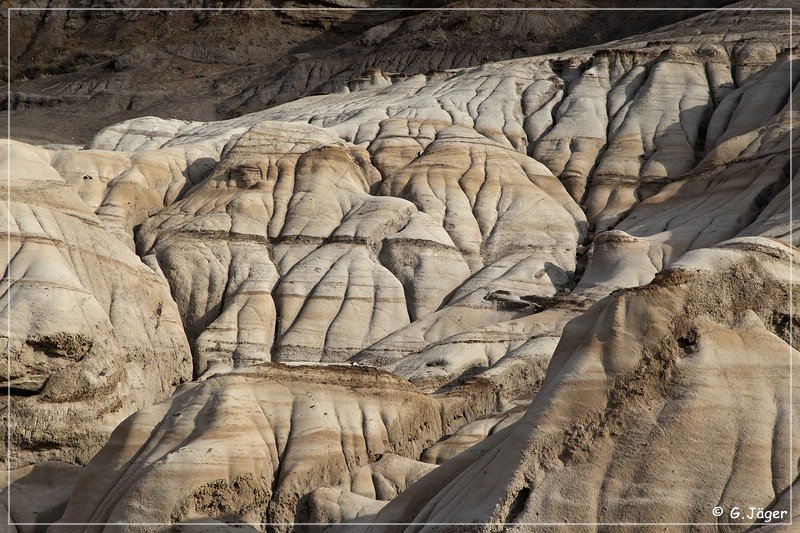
39 493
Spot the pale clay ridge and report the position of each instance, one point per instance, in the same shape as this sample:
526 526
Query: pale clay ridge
638 73
280 417
437 227
636 389
87 319
335 285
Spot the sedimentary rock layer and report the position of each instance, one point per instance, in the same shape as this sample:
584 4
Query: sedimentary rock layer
555 288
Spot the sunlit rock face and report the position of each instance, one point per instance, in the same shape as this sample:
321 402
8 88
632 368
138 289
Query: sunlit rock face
94 333
284 226
548 289
258 439
635 390
307 253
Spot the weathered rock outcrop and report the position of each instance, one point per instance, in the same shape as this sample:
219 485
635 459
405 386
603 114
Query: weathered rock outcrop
635 392
87 320
74 71
295 429
288 208
569 276
124 189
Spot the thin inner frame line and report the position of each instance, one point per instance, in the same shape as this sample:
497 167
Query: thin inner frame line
790 52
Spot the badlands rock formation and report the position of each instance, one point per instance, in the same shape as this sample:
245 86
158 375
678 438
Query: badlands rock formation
95 334
550 289
637 391
77 70
279 418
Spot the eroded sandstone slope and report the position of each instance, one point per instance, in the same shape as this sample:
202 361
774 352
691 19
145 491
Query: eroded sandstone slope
95 334
660 403
91 63
569 276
